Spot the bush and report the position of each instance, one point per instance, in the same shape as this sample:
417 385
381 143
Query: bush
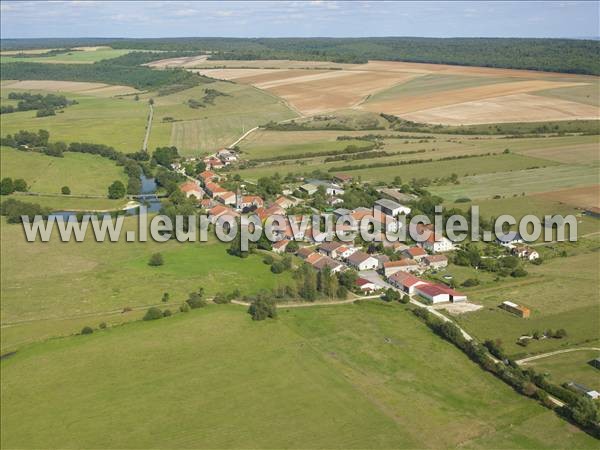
116 190
20 185
6 186
518 273
102 325
184 308
462 200
156 260
469 282
167 313
277 267
153 313
560 333
405 299
195 301
391 295
87 330
263 308
220 298
65 190
268 259
165 297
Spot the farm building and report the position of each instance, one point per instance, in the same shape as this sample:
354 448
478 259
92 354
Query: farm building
436 261
595 363
342 178
403 265
391 207
396 195
437 293
363 261
520 311
590 393
405 282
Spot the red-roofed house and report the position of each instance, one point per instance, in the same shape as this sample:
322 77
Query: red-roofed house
207 176
191 189
220 210
325 262
213 188
366 286
304 252
247 201
405 282
280 246
416 253
226 197
313 258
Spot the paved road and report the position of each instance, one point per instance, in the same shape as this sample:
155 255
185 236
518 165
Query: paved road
557 352
148 128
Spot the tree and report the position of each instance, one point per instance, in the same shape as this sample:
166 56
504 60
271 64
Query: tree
153 313
165 297
405 299
65 190
156 260
391 295
292 247
195 301
116 190
151 101
560 333
518 273
20 185
87 330
165 155
277 267
167 313
6 186
184 308
200 166
262 308
307 283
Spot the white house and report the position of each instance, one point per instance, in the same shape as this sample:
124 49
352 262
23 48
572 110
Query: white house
191 189
366 286
363 261
525 252
403 265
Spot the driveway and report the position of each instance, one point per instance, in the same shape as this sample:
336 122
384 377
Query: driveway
375 278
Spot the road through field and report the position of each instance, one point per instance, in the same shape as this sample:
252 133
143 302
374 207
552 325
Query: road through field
557 352
148 128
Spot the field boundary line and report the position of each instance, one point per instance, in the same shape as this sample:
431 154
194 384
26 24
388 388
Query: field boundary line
556 352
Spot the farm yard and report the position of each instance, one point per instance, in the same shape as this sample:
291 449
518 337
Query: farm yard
571 366
372 368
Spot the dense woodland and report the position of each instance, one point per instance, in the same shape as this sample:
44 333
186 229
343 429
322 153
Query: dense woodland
124 70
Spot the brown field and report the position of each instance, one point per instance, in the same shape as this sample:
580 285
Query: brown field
79 87
184 62
581 197
506 108
579 153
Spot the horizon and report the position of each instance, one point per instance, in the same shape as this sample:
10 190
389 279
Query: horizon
285 19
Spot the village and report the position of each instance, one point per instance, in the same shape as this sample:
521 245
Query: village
407 269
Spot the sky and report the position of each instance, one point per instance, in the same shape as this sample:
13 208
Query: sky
30 19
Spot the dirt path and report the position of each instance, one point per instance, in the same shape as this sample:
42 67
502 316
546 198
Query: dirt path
557 352
148 128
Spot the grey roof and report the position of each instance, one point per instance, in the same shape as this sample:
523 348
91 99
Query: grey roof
388 204
342 212
509 237
397 195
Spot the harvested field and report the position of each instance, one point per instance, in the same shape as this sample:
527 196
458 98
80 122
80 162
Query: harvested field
582 197
507 108
80 87
322 92
566 154
183 62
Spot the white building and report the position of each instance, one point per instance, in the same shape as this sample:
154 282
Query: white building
363 261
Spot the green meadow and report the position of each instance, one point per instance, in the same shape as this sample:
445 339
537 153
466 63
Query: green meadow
573 366
63 282
118 122
84 174
354 376
197 131
561 293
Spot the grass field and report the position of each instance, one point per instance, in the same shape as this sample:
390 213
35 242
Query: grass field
55 280
530 181
199 131
118 122
74 57
355 376
561 293
588 93
481 165
573 366
83 174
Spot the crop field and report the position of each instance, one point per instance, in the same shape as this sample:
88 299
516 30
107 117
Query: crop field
584 197
80 87
87 56
366 369
421 92
118 122
198 131
83 174
572 366
561 293
55 280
